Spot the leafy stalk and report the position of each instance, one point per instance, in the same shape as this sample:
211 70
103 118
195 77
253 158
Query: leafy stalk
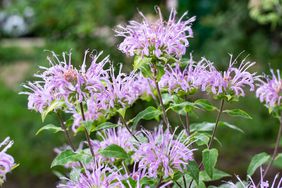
160 96
275 148
67 134
216 123
128 129
86 132
187 127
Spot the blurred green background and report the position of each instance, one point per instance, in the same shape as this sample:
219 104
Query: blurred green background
28 27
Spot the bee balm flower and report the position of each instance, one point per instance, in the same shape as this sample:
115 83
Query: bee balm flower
156 38
270 90
6 161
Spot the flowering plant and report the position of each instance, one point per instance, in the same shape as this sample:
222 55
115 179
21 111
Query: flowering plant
118 151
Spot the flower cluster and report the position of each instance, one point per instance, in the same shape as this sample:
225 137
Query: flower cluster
162 153
270 90
6 161
156 38
97 88
204 76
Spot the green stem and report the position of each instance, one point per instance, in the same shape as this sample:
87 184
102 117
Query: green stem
65 131
160 97
184 181
216 123
67 135
187 124
86 132
128 129
275 148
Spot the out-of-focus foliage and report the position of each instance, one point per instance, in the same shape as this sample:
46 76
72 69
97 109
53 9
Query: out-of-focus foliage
266 11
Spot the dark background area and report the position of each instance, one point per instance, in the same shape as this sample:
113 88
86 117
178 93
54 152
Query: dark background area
28 27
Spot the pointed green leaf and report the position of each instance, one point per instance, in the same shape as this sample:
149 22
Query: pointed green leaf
209 160
122 112
54 105
204 126
147 114
217 175
88 125
278 161
193 170
50 127
257 161
68 156
143 64
114 151
182 107
221 123
205 104
105 125
238 113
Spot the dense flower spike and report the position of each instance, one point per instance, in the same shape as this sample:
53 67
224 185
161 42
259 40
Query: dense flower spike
270 90
6 160
162 153
98 175
156 38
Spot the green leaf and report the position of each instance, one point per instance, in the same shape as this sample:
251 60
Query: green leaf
202 139
217 175
143 64
68 156
51 128
221 123
147 181
209 160
205 104
278 161
182 107
238 113
193 170
167 98
88 125
114 151
147 114
54 105
105 125
122 112
204 126
257 161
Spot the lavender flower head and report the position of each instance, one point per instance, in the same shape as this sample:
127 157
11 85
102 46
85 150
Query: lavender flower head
6 160
156 38
63 82
188 79
162 153
98 175
270 90
232 81
127 88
